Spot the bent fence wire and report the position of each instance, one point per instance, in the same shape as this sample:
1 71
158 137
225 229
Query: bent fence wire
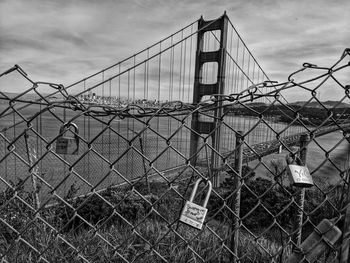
113 190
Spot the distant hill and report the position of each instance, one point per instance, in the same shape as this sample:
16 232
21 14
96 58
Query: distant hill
256 104
313 104
28 96
327 104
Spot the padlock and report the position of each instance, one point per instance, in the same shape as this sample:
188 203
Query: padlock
68 145
193 214
299 176
298 173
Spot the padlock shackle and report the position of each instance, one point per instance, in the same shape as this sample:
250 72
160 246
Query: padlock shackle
66 125
195 190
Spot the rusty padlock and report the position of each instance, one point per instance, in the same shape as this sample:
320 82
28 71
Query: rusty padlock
193 214
68 145
299 174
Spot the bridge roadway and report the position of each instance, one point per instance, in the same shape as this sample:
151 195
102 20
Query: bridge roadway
259 150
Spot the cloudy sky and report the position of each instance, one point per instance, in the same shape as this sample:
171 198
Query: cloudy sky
63 41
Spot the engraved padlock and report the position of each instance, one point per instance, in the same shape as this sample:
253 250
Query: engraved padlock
299 175
193 214
65 144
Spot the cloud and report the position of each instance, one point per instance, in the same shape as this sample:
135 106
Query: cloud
66 37
10 42
67 40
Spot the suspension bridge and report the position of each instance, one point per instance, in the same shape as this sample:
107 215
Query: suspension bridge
169 109
208 65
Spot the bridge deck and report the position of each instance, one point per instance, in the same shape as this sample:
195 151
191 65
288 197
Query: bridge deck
259 150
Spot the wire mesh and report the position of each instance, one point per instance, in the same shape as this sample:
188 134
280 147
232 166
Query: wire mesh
119 199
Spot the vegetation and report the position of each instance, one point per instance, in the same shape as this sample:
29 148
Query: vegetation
123 228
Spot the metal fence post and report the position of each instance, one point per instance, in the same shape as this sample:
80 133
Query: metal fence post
345 247
236 204
32 158
304 141
143 160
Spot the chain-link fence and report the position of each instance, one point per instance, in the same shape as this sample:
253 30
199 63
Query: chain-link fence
118 191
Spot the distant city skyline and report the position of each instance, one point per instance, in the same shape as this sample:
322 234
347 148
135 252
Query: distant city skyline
64 41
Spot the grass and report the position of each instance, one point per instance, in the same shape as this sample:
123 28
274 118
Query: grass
119 243
131 231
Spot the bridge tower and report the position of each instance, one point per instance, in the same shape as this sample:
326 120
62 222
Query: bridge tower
202 89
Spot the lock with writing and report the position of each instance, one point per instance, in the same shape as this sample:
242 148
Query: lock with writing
299 174
65 144
193 214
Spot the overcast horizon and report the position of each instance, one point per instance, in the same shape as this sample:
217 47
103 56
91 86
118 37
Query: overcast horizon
64 41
